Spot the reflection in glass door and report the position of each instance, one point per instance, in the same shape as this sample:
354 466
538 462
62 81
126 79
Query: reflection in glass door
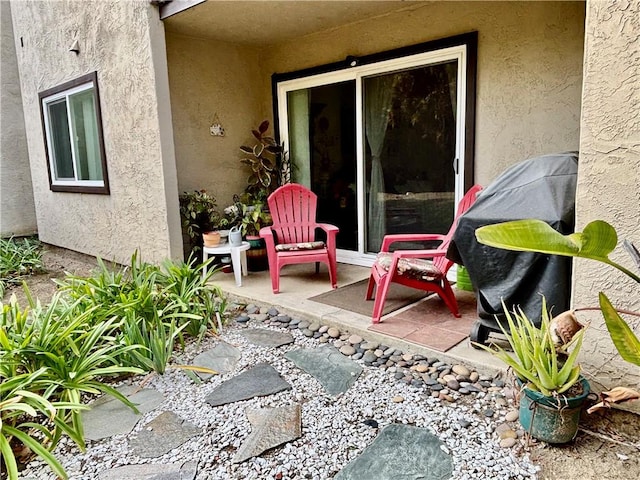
410 150
323 153
381 144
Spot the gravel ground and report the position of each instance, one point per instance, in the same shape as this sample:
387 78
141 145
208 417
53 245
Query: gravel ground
333 432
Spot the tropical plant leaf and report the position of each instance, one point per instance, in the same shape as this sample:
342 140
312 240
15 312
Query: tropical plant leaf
263 127
624 339
596 242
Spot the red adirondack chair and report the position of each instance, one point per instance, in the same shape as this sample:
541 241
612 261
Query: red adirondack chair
292 237
421 269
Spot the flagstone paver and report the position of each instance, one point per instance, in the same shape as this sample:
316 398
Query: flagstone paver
267 338
172 471
335 372
270 427
222 358
258 381
109 416
162 434
411 450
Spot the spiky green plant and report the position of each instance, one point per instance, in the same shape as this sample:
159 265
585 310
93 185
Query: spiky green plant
595 242
19 402
536 361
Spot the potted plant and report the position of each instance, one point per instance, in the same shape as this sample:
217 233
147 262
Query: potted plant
595 242
552 387
269 164
250 217
200 217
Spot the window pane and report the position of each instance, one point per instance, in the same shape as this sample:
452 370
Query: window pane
85 129
410 141
323 150
59 130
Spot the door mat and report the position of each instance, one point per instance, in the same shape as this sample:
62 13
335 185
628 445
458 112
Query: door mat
431 324
351 298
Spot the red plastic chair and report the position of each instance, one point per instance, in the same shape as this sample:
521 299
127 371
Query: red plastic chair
413 268
292 237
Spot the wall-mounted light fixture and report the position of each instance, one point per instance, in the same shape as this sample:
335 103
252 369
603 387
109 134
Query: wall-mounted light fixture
351 61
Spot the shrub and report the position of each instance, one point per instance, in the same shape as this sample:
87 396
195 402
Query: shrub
18 258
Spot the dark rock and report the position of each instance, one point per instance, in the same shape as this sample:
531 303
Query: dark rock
270 427
335 372
370 422
258 381
162 434
267 338
414 451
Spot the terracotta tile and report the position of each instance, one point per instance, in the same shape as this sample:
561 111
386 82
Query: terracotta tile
397 328
436 338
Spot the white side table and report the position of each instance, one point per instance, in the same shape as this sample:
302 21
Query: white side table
238 258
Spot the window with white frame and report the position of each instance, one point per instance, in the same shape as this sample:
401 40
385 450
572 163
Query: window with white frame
73 136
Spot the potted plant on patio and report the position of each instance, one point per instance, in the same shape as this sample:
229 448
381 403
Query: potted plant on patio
552 387
201 220
595 242
269 164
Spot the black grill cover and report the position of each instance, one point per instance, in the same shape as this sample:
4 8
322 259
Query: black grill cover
543 188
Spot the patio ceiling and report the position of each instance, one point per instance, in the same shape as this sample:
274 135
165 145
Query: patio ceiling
261 23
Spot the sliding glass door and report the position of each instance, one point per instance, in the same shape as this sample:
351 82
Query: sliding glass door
381 144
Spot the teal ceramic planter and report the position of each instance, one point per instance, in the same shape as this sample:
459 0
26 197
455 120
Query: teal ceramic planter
551 419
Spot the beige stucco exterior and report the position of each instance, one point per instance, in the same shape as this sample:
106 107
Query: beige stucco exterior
529 68
142 210
609 173
528 89
214 82
545 84
18 214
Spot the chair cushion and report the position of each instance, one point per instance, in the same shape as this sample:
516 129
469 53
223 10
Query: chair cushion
290 247
416 268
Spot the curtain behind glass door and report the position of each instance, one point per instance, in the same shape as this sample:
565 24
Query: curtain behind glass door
410 148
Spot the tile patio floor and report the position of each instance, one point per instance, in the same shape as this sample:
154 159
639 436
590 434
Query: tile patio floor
425 327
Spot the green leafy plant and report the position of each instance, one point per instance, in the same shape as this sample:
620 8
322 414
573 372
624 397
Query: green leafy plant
147 299
19 258
268 161
536 361
197 302
249 214
199 213
77 355
18 402
595 242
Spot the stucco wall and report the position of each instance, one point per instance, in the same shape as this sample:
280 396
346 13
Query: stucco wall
212 79
609 172
529 68
124 42
17 210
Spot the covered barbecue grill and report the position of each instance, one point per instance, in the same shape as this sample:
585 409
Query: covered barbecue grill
543 188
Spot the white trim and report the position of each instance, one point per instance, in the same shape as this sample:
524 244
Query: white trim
358 74
46 101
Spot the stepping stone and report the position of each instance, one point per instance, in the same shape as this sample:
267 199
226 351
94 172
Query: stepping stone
109 416
270 427
162 434
400 451
222 358
267 338
259 381
335 372
171 471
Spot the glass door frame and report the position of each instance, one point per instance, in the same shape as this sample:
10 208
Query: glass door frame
462 48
